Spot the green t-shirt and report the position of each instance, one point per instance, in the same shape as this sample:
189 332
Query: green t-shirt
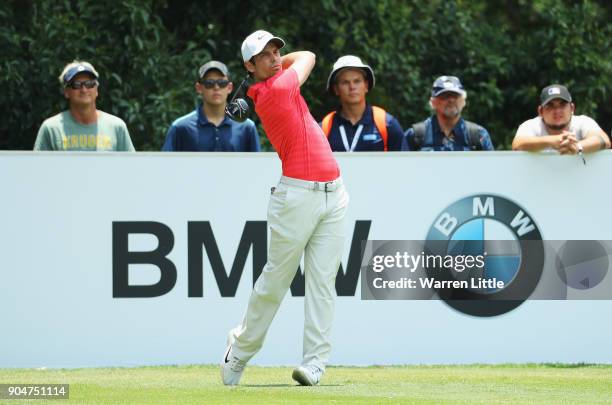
62 132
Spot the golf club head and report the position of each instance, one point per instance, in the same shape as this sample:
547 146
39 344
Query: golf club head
237 110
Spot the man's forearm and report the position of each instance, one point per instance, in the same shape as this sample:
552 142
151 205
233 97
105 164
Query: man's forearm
302 62
290 58
594 142
532 144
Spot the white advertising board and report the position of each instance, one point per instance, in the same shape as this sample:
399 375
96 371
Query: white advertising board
64 218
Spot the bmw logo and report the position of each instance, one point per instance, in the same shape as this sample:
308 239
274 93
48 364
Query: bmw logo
508 238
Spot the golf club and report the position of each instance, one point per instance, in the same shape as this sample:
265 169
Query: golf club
238 108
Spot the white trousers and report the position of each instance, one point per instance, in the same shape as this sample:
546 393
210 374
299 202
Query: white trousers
302 220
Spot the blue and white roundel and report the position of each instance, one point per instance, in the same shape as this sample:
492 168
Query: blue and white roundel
505 235
496 242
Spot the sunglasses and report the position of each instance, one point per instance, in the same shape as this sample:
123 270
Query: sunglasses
209 83
77 84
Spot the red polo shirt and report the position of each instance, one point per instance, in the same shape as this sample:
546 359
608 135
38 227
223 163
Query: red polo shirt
299 141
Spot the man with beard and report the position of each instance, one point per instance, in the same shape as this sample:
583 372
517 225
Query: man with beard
557 128
446 130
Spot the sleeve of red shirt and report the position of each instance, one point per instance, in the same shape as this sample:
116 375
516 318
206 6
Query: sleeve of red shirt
286 86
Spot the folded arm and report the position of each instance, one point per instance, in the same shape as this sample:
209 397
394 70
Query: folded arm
594 141
536 143
302 62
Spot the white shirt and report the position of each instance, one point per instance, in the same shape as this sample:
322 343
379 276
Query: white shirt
580 125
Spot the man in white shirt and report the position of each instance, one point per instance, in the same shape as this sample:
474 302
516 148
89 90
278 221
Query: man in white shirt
557 128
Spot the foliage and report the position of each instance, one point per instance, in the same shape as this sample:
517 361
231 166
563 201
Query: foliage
148 51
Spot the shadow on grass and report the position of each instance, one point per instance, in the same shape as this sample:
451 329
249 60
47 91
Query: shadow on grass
571 365
285 385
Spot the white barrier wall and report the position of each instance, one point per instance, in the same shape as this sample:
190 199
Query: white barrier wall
56 257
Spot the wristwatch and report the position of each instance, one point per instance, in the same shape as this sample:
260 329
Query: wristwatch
580 154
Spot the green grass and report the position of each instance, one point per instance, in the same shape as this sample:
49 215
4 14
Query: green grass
472 384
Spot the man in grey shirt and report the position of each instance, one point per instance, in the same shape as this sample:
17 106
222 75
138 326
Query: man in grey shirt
82 127
557 128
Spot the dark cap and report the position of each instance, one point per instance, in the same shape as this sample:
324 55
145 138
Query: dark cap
445 84
213 64
554 91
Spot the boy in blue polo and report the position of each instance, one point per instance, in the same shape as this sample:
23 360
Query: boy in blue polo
207 129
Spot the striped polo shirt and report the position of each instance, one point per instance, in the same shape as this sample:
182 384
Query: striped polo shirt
299 141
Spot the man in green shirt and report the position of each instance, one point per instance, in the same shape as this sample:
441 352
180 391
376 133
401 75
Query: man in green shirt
82 127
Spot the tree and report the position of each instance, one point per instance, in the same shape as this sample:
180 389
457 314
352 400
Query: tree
148 51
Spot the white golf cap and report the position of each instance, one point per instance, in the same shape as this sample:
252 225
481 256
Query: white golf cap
349 61
256 42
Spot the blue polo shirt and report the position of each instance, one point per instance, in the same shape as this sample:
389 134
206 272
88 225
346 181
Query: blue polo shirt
370 139
436 140
193 132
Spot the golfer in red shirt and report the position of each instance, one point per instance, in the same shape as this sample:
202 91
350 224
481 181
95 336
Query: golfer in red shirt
305 214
